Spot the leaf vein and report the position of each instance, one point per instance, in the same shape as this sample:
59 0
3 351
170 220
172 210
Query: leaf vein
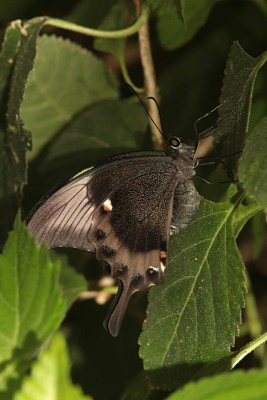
220 226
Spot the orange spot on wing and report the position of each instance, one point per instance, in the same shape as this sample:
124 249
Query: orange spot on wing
163 255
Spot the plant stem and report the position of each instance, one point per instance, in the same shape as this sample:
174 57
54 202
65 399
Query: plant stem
126 76
248 349
149 79
122 33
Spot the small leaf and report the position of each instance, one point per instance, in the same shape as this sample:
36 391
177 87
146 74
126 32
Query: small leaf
31 304
172 31
16 61
65 79
253 164
50 376
236 385
194 316
235 100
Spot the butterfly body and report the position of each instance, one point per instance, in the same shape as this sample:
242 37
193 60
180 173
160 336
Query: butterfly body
124 211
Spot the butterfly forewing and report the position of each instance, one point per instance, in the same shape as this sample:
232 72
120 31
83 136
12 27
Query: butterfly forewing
122 211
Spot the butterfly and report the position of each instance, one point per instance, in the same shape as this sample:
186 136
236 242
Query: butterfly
124 210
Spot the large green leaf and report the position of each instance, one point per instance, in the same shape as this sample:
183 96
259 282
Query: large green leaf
91 137
253 164
31 304
34 293
251 385
235 101
172 31
65 79
34 296
194 316
16 61
50 376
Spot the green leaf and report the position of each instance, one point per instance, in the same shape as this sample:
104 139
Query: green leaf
236 385
78 146
65 79
9 48
235 100
119 17
16 61
181 107
253 164
31 304
138 388
194 316
258 233
172 31
169 7
72 283
86 13
50 376
242 215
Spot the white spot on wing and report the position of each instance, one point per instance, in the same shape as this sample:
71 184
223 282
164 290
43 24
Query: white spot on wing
107 205
162 267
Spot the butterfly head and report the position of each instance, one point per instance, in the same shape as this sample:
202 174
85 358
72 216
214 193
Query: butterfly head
179 150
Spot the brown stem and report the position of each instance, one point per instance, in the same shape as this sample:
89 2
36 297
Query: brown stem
149 79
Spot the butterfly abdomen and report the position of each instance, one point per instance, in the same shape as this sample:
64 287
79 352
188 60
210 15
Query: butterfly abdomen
185 204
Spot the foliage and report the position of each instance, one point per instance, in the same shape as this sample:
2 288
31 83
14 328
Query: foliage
63 106
50 376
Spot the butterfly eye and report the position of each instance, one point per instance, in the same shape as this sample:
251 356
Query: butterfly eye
174 142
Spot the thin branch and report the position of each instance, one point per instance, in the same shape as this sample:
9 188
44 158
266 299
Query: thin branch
126 76
122 33
149 78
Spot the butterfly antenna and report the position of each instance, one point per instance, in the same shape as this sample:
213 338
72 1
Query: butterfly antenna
160 130
201 135
146 110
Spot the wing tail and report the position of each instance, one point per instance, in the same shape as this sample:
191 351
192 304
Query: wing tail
115 315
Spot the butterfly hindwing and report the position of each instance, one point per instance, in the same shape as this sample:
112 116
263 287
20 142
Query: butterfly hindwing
121 211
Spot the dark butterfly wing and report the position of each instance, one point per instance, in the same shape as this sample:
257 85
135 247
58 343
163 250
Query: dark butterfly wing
121 211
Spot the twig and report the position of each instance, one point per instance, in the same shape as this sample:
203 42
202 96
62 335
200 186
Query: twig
149 78
122 33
